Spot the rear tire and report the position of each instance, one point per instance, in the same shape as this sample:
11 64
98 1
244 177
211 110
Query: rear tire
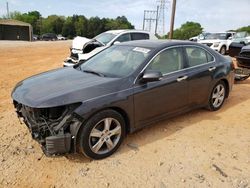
217 96
102 134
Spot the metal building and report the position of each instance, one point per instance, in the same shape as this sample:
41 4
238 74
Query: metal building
15 30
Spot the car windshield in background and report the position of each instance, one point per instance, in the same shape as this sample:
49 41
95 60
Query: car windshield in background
221 36
105 38
116 61
240 35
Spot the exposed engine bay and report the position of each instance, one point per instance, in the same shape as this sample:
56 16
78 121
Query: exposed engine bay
51 127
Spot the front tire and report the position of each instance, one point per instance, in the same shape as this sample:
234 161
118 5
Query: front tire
102 134
217 96
223 50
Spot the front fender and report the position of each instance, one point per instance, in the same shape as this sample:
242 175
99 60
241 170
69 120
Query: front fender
120 100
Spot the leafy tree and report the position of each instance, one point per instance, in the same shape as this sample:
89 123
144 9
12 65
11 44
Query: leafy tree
72 25
30 17
246 28
81 26
68 29
186 31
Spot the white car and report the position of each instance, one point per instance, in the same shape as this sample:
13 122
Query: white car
60 37
84 48
219 42
201 36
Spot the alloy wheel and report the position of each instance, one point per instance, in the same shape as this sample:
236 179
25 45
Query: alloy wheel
105 135
218 95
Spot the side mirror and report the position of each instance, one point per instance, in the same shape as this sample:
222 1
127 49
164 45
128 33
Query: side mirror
151 76
230 38
117 42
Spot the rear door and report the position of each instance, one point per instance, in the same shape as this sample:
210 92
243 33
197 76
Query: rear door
201 67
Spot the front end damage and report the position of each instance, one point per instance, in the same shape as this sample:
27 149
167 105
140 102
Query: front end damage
52 127
86 51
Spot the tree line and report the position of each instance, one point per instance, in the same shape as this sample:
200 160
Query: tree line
71 26
191 29
79 25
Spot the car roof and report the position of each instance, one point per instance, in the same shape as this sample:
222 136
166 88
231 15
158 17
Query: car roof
116 32
158 43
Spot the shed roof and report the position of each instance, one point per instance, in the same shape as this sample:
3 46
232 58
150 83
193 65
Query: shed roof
13 22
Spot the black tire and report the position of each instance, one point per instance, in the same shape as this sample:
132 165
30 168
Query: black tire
212 102
85 139
223 50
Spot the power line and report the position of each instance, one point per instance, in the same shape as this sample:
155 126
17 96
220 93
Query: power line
163 6
150 19
156 18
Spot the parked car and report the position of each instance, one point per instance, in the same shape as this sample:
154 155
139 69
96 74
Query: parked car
60 37
241 52
241 37
201 36
84 48
35 37
49 36
91 106
218 41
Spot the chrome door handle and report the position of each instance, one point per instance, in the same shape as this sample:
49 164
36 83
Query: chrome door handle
182 78
212 68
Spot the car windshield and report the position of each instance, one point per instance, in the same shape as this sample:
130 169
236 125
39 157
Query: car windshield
240 35
221 36
116 61
105 38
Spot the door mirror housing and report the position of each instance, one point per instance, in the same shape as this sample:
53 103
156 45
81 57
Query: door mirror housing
151 76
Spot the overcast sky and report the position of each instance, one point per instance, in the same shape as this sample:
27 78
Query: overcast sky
213 15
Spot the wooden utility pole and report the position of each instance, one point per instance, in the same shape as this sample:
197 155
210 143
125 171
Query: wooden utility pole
8 12
172 20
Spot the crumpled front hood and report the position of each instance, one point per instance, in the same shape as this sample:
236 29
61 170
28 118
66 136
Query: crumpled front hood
62 86
79 42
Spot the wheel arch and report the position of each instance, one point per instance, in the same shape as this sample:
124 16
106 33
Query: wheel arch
121 111
227 86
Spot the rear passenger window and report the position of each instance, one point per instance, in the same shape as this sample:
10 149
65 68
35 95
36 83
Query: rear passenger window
139 36
197 56
209 57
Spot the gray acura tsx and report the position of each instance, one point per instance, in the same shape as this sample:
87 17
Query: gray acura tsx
90 107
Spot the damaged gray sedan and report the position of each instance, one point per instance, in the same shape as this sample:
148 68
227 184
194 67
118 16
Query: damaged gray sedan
90 107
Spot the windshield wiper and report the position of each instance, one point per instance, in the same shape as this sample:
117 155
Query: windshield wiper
94 72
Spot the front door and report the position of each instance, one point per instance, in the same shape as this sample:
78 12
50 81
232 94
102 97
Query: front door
158 99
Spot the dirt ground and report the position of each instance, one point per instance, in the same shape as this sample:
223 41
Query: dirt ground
197 149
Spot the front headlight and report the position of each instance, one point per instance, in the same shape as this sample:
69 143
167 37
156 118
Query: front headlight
216 44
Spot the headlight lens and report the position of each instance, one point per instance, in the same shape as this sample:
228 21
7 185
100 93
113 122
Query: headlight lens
216 44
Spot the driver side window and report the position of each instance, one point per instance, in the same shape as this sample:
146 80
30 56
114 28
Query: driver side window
167 61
